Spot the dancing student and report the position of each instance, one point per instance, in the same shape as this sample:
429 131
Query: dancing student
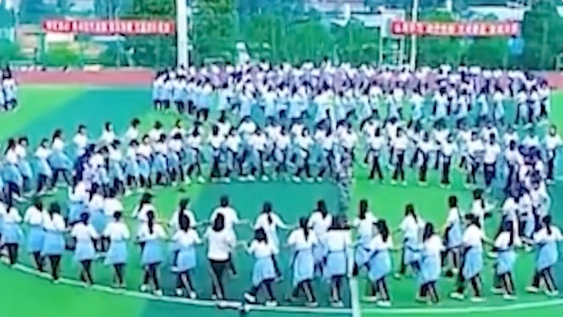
140 212
479 207
174 223
425 148
108 135
58 160
364 226
158 92
118 234
232 147
320 221
23 165
221 243
281 150
476 151
453 236
54 241
337 244
430 265
216 141
547 255
33 217
490 158
411 227
301 156
302 241
116 173
391 129
514 161
193 148
440 135
12 233
186 239
376 143
111 205
380 264
263 272
85 252
257 153
11 173
151 235
174 159
159 161
78 198
271 222
399 146
448 149
132 133
144 154
472 261
552 144
504 246
230 220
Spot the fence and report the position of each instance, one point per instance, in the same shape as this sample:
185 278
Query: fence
294 31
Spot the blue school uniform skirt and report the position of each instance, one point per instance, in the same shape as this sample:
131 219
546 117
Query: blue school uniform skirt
116 171
75 210
529 225
173 160
144 166
280 155
53 244
546 255
303 266
117 252
362 254
152 252
187 259
11 233
84 250
59 160
99 220
35 239
411 251
430 269
505 261
336 263
263 270
12 174
379 265
159 163
132 167
453 236
1 223
472 262
25 169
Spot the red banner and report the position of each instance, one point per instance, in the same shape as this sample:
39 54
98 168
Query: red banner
110 27
455 28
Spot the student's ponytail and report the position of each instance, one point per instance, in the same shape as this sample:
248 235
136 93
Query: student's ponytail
303 224
267 209
182 208
547 224
150 221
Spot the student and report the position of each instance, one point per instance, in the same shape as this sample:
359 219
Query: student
230 219
151 235
118 234
399 145
376 143
453 236
302 241
33 217
448 149
552 143
11 173
547 255
24 166
337 245
411 227
364 227
430 264
263 272
221 243
425 147
506 257
492 152
216 141
320 221
58 160
111 205
44 171
12 233
143 207
472 261
54 242
186 239
380 264
85 253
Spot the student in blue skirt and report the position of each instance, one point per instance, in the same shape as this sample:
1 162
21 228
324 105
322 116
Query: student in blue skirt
379 264
270 222
186 239
337 247
430 264
547 255
504 246
411 227
364 227
59 161
264 272
84 235
472 260
36 234
301 241
221 243
453 234
11 173
54 242
12 234
118 234
151 234
43 168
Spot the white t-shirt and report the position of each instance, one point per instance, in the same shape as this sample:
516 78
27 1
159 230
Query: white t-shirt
186 238
261 249
231 216
156 234
34 216
54 223
82 232
318 224
298 241
433 246
220 244
542 236
473 236
111 206
117 230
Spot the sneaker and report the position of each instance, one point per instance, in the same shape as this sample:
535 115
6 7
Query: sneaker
477 299
552 293
179 292
384 303
271 303
144 288
192 295
312 304
370 299
201 180
532 289
265 178
456 295
497 291
249 298
337 304
158 292
509 297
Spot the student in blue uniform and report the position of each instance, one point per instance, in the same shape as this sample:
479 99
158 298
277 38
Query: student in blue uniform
547 255
364 227
337 248
263 272
504 246
380 264
54 242
12 234
411 227
151 235
84 235
118 234
36 234
453 235
186 239
301 241
430 264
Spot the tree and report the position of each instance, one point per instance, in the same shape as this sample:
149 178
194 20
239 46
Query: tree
436 50
153 50
489 52
215 26
541 31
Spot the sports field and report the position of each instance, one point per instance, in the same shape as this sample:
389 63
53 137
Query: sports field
24 293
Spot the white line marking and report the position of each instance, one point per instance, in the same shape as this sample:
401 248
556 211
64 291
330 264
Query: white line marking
355 298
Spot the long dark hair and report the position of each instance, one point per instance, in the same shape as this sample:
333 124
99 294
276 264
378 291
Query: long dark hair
428 231
145 200
303 224
260 235
267 209
409 211
184 222
321 207
182 207
547 223
54 209
150 221
219 223
363 209
383 230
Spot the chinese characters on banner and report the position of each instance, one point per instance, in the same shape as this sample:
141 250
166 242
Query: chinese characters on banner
110 27
460 29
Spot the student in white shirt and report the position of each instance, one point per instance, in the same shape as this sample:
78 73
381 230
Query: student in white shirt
151 235
231 219
364 229
12 233
84 234
552 144
263 272
430 264
338 245
319 221
411 227
216 141
33 217
453 236
54 242
302 241
492 152
380 264
132 133
186 239
448 149
546 241
118 234
194 153
376 143
476 151
399 145
11 173
221 243
111 205
270 222
504 247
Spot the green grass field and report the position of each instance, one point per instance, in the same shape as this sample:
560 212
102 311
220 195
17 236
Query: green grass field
23 293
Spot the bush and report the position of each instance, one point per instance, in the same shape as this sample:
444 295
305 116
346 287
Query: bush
9 51
60 56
